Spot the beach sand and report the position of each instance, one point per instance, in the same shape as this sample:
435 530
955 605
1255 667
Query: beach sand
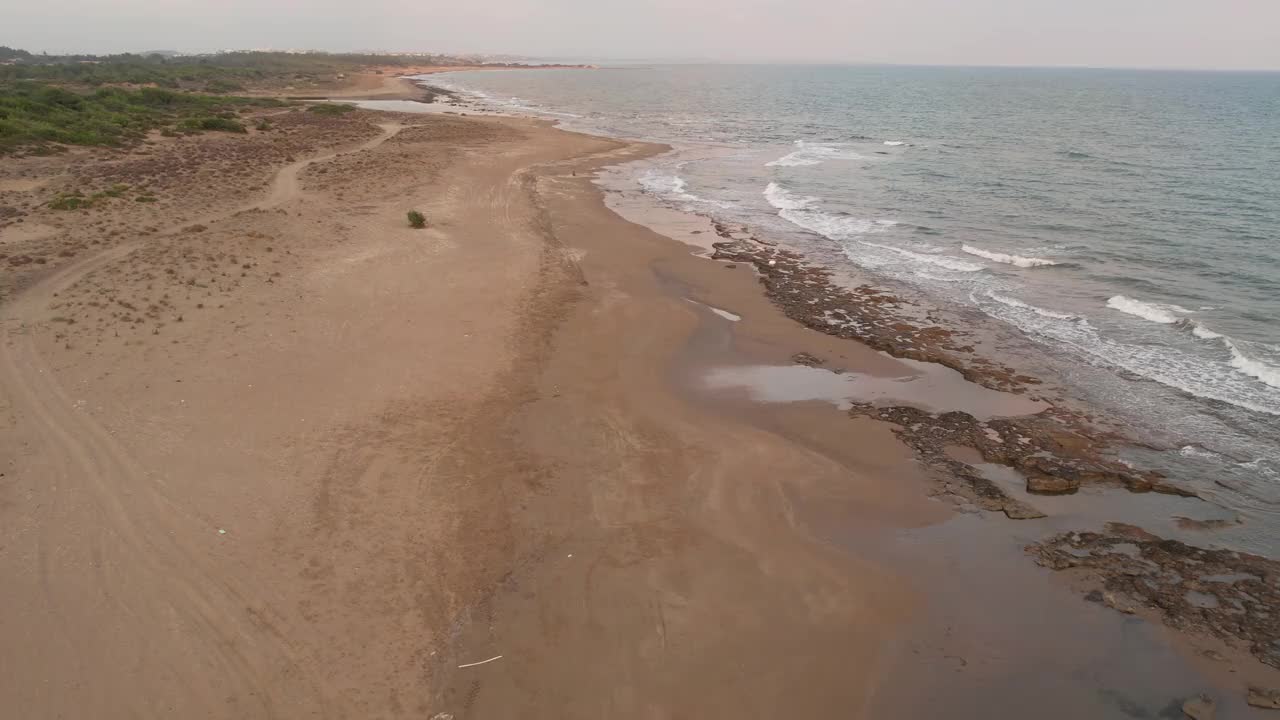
270 452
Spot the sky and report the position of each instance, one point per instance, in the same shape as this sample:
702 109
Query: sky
1216 34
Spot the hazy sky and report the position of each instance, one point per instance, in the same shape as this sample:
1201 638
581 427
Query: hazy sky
1127 33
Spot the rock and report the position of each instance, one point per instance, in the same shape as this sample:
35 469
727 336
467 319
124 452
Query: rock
1094 596
1268 698
1119 602
442 716
1016 510
804 358
1199 708
1051 485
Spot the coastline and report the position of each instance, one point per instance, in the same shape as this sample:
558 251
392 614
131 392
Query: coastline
490 438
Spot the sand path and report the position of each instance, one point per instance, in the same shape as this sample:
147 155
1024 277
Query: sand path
113 557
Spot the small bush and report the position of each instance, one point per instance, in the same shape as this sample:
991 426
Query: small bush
417 219
221 124
146 199
222 86
331 109
263 125
70 201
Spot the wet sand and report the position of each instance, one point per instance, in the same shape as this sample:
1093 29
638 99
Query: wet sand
269 452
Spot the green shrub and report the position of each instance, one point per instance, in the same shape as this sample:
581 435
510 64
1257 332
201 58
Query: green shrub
332 109
70 201
220 86
217 123
36 117
145 198
417 219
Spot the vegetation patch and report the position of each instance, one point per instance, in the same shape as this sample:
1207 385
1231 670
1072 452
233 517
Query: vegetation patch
36 116
76 200
417 219
332 109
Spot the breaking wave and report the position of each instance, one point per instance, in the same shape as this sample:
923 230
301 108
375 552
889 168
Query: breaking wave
1020 261
807 153
1152 312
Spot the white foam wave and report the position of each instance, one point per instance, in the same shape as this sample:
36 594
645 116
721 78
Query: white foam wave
661 184
783 199
1042 312
894 143
1192 451
1234 380
1204 333
1152 312
941 261
1020 261
800 210
807 153
1254 368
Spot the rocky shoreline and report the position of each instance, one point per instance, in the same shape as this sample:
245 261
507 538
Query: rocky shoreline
1058 450
1223 593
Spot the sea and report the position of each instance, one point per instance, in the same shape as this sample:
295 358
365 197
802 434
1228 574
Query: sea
1113 232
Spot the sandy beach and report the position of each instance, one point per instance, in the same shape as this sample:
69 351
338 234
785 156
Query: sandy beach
269 452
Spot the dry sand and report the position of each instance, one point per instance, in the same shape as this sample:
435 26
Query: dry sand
269 452
287 457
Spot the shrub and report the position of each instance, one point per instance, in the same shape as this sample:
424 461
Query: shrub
70 201
417 219
331 109
222 124
220 86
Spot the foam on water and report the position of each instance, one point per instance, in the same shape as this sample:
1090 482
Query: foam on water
666 185
809 153
1225 380
1263 372
941 261
1152 312
1016 303
1018 260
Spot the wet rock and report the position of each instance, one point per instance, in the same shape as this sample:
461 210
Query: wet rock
1227 594
1260 697
1199 708
1051 485
1119 603
1094 596
1015 509
804 358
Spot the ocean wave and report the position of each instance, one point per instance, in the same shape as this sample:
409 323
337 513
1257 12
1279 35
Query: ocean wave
800 210
1200 331
663 184
807 153
783 199
1254 368
1231 382
1152 312
1042 312
656 182
941 261
1243 363
894 143
1020 261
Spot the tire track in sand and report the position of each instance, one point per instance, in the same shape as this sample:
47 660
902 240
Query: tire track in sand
122 609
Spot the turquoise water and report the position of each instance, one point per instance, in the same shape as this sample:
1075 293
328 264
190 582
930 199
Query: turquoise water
1117 232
